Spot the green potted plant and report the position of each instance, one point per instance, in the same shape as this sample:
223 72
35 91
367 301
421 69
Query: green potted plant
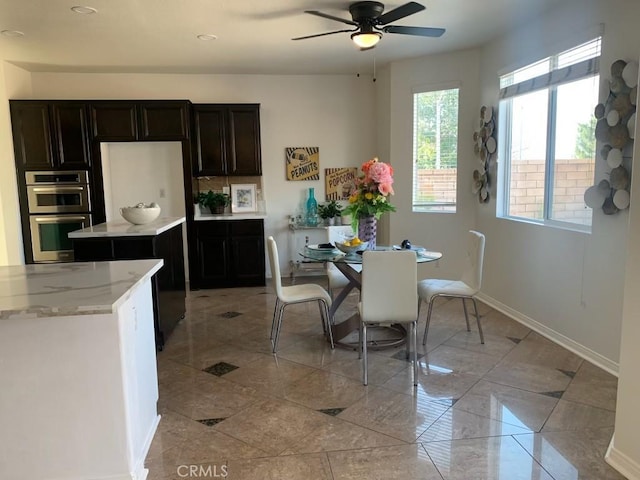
329 211
215 201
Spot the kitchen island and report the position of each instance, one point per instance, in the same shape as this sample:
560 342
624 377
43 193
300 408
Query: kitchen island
162 238
79 378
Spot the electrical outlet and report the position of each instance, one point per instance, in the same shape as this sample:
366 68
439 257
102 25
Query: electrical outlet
162 193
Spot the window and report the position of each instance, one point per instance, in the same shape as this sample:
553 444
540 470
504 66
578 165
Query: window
547 135
435 150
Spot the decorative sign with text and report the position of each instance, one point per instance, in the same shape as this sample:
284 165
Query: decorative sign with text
339 182
303 163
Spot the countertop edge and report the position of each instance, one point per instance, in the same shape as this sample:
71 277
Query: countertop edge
145 277
40 311
126 229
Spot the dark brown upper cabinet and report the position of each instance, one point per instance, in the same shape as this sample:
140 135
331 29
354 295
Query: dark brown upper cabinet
227 139
164 120
114 121
129 121
50 135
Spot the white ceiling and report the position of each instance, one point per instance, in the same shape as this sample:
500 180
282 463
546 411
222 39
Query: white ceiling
254 36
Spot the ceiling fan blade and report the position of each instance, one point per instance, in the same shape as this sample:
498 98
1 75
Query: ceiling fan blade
331 17
419 31
400 12
323 34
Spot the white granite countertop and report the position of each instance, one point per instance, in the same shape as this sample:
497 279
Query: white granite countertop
122 228
61 289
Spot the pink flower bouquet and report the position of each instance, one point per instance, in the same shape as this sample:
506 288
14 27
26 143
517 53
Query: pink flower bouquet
369 197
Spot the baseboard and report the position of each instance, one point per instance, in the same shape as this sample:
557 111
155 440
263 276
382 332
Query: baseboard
560 339
621 462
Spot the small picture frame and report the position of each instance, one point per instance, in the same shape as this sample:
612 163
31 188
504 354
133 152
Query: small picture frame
243 198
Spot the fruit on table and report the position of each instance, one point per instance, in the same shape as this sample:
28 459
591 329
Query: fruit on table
354 242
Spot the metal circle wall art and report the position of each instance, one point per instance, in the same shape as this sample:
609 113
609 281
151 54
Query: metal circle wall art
615 130
484 146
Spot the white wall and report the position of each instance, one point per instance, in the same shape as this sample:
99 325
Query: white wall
569 282
14 83
383 140
436 231
624 451
137 172
334 112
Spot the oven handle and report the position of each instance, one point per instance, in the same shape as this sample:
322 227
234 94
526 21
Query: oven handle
57 189
56 219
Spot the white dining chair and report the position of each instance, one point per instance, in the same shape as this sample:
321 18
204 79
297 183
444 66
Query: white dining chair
294 294
465 288
388 296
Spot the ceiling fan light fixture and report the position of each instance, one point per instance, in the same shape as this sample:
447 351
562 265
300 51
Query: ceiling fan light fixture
366 40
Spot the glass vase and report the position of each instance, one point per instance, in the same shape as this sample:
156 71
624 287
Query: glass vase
311 214
367 229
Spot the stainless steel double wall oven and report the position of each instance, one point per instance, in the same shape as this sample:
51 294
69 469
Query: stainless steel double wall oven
58 203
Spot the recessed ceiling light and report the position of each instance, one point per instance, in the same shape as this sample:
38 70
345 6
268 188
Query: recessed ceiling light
12 33
207 37
84 10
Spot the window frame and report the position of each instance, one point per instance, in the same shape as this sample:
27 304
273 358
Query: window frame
506 129
436 206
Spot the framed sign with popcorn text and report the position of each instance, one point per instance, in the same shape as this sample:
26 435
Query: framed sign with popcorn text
338 182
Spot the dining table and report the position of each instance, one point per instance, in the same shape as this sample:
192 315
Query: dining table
351 267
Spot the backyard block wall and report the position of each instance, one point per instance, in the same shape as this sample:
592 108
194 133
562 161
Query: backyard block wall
572 177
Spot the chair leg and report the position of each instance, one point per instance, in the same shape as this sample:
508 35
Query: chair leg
475 307
417 318
466 315
326 321
365 373
426 328
414 335
408 345
360 341
278 327
274 321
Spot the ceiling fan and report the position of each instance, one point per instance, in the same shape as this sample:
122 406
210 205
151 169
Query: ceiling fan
370 21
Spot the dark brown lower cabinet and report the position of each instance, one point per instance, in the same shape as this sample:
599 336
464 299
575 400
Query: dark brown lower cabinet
230 254
168 284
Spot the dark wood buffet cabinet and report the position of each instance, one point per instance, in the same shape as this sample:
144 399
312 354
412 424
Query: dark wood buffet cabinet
230 253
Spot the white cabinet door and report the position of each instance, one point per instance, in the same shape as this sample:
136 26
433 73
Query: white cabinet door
139 369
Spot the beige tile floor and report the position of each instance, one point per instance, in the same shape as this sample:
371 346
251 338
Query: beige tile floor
518 407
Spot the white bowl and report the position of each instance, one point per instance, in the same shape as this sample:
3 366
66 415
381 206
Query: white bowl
348 249
140 216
